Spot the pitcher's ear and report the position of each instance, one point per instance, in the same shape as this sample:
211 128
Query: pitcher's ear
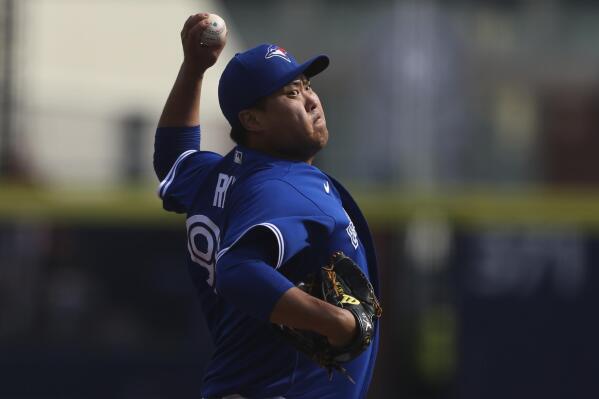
250 120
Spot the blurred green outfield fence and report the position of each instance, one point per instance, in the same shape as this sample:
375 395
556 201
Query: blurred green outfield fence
383 207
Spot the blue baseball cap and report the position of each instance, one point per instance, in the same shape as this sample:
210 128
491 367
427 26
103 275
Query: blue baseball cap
257 73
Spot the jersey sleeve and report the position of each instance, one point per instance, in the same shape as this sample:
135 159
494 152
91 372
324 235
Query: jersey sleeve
170 142
294 220
178 189
246 271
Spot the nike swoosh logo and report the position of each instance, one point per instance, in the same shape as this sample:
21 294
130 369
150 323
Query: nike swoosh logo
326 186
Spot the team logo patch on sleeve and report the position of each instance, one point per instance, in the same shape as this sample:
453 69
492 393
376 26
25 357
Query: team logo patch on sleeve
276 51
351 232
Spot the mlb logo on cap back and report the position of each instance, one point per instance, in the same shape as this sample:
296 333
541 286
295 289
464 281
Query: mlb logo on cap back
257 73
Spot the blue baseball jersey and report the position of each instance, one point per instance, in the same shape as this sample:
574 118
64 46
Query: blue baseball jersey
309 216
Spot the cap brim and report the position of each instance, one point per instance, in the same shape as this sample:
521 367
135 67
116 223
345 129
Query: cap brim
315 65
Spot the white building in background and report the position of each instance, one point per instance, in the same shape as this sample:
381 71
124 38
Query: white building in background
83 66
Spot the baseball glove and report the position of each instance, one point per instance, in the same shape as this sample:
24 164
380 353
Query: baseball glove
342 284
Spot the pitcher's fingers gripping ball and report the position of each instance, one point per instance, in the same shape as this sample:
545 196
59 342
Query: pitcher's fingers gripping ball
340 283
197 56
215 33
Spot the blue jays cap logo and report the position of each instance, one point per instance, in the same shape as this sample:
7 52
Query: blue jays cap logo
276 51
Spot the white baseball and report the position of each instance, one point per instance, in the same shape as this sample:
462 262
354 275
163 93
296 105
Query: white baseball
214 34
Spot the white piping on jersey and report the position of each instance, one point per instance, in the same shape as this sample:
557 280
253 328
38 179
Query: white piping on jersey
164 185
272 228
280 240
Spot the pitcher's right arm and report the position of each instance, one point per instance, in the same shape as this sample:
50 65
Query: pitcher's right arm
179 125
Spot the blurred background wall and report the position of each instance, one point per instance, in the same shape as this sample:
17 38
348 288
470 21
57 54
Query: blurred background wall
467 130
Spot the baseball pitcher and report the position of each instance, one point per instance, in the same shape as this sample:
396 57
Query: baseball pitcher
279 252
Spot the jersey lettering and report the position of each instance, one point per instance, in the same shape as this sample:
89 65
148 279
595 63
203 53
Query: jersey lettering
222 185
203 237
